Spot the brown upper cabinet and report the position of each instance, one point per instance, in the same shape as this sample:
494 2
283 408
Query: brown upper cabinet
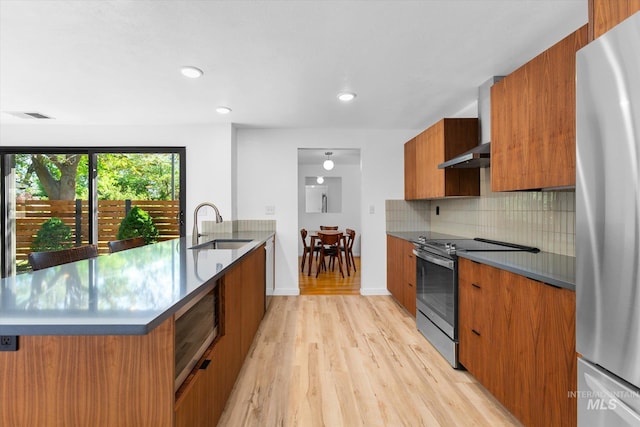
410 178
606 14
533 110
441 142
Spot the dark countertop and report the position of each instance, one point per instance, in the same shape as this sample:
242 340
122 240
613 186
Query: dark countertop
125 293
553 269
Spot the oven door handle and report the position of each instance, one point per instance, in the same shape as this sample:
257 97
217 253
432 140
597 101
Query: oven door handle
435 260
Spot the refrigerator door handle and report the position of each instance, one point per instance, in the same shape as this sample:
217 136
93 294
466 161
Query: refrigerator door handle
626 413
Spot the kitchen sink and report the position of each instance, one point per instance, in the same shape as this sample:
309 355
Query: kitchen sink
223 244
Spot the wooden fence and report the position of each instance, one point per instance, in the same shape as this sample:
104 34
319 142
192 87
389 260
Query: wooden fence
30 215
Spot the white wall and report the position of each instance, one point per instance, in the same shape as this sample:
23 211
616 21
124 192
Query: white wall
349 217
268 176
209 151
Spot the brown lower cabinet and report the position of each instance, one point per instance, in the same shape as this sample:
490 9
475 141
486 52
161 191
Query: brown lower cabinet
203 396
517 337
401 272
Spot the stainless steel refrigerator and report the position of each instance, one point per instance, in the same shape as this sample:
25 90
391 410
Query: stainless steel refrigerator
608 228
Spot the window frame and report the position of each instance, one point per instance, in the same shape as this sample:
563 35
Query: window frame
92 153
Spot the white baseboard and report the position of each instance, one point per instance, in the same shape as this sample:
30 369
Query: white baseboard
374 291
283 292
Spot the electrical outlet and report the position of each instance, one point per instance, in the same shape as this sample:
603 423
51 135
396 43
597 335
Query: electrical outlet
8 343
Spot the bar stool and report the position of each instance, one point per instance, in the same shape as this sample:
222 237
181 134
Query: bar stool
40 260
124 244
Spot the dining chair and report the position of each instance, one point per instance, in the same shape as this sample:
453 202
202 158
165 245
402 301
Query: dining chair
308 250
40 260
348 250
329 227
329 247
124 244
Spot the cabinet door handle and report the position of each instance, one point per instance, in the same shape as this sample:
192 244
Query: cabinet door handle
475 285
475 332
205 364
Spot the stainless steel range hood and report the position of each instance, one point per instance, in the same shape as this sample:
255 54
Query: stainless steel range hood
480 156
477 157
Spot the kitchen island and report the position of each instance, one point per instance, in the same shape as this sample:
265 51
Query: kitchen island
97 338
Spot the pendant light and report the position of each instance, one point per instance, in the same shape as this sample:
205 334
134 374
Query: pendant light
328 164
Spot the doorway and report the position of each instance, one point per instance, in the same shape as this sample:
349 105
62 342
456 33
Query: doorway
329 198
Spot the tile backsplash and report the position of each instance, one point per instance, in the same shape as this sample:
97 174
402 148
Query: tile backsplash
404 215
255 225
238 225
545 219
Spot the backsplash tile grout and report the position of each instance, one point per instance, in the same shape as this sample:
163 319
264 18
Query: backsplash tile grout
238 225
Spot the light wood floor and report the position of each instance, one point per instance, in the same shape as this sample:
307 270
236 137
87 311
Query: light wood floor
329 282
347 361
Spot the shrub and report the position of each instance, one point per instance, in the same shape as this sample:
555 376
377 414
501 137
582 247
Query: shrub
138 223
53 235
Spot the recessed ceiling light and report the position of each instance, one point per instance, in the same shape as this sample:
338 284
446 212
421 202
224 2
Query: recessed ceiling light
223 110
28 115
346 96
191 72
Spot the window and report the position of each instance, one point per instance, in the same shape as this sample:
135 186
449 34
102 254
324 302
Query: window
56 198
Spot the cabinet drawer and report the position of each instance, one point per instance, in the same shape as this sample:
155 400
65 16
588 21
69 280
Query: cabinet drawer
473 352
467 270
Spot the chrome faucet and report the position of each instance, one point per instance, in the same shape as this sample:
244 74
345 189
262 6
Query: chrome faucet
196 234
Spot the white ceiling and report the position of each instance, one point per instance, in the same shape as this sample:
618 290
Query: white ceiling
275 63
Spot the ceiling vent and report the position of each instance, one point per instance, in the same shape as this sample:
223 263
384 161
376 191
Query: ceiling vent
28 115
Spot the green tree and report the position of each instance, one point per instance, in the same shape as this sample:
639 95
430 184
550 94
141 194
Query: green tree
51 176
121 176
138 223
53 235
57 174
137 176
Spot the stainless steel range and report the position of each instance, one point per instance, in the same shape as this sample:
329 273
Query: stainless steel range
437 287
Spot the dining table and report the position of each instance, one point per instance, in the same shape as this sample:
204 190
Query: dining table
313 235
